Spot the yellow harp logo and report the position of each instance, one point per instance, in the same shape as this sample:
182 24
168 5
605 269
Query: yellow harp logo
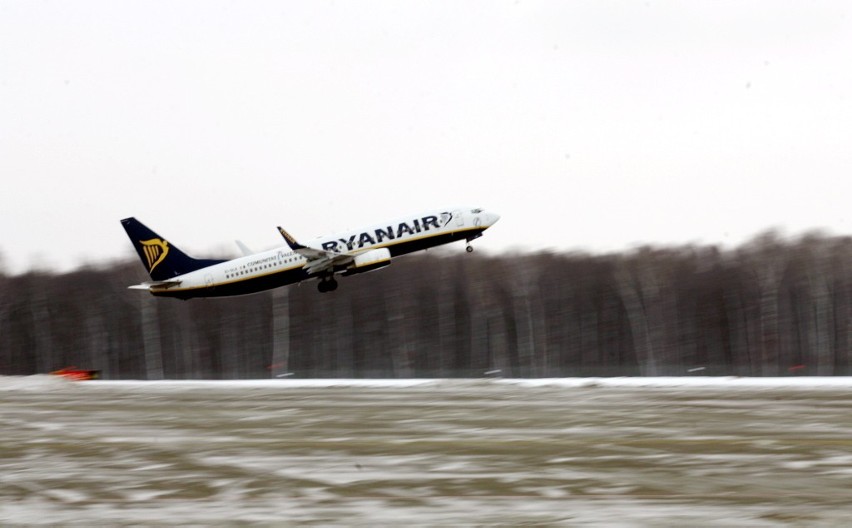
155 251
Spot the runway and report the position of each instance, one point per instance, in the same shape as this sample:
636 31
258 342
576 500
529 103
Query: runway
661 452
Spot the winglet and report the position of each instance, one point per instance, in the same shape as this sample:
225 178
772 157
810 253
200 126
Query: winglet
307 252
295 246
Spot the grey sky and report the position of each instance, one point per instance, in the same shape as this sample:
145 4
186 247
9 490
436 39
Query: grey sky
586 125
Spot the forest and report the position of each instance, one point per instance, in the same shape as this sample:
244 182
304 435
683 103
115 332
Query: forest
773 306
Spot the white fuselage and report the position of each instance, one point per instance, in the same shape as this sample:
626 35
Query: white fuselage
281 266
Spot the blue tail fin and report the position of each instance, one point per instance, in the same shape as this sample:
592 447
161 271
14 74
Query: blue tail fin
162 259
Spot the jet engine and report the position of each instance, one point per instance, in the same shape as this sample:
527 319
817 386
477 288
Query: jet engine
369 261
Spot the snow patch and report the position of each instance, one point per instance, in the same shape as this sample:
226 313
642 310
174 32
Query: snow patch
37 383
804 382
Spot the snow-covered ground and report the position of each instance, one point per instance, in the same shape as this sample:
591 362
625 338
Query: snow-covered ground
496 452
730 382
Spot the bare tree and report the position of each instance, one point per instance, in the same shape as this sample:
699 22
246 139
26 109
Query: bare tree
641 280
280 364
151 338
765 261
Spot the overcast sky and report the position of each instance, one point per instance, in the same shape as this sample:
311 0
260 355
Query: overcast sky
594 126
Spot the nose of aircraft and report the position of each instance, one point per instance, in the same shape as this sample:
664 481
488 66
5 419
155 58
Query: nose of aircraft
491 218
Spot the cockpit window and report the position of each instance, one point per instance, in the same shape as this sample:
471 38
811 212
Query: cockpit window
476 211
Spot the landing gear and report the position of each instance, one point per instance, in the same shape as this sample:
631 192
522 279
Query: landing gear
469 248
327 284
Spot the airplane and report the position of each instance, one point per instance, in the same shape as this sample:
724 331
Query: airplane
175 274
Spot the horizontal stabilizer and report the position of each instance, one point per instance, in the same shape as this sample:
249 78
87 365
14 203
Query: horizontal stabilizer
155 285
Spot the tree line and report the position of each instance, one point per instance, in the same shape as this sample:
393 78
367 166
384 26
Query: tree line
771 307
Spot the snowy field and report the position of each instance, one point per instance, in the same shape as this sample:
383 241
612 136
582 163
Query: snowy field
667 452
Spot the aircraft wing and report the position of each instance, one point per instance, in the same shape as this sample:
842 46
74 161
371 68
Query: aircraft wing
155 285
319 260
